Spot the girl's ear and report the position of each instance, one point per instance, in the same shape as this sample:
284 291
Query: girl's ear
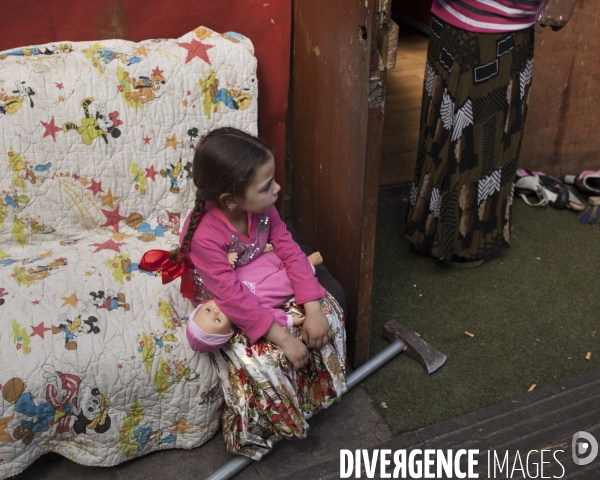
229 201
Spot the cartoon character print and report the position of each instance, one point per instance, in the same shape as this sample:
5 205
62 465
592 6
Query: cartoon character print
233 37
69 242
96 123
154 344
28 276
93 414
62 390
146 436
129 267
139 178
73 328
109 300
175 173
5 260
3 293
50 49
101 57
135 436
211 396
145 89
147 233
16 202
183 168
226 91
170 318
122 268
170 373
23 171
108 56
172 223
24 228
232 98
11 104
20 338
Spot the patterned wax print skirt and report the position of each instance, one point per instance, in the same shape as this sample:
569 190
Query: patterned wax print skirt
265 399
474 106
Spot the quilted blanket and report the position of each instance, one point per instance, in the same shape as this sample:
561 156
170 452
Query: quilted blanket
95 158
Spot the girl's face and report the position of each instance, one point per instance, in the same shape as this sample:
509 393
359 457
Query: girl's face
262 192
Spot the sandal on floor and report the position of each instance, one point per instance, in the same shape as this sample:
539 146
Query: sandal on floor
462 262
548 190
588 181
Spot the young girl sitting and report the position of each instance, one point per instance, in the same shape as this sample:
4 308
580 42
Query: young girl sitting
234 212
209 329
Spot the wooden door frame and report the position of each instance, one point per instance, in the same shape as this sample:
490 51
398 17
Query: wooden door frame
353 269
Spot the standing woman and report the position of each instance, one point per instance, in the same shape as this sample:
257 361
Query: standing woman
476 91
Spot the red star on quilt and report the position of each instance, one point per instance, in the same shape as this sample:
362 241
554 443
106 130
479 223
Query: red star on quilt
147 140
59 86
39 330
50 129
95 187
157 71
112 218
196 49
151 173
35 302
108 245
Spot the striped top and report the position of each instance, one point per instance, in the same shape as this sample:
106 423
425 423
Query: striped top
488 16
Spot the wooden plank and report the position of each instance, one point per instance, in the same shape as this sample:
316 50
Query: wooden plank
561 132
337 146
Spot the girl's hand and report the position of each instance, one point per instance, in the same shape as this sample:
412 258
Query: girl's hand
294 350
298 319
315 331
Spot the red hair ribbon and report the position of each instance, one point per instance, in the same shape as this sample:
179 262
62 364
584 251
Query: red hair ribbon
154 260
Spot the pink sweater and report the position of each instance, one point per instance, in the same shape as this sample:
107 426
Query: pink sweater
267 278
488 16
213 277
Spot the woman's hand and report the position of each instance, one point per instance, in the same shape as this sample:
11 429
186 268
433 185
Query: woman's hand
294 350
315 331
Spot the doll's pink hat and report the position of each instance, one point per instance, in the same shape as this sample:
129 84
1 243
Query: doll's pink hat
200 340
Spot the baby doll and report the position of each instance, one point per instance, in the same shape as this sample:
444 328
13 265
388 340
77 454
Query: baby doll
266 277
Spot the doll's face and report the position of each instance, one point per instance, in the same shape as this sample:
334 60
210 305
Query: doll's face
212 320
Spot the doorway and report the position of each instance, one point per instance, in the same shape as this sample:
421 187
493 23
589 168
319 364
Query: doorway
403 109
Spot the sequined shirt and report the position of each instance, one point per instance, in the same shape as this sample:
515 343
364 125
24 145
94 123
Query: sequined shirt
214 278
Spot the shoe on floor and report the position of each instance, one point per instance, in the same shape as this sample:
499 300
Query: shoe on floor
548 190
587 181
461 262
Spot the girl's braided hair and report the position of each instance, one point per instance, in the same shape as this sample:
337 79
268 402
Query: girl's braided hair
224 163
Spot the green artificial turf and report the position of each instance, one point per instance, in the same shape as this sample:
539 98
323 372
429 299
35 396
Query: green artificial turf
533 311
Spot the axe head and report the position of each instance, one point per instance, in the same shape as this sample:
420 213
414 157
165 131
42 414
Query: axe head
415 346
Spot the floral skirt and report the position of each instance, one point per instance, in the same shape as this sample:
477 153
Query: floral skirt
265 399
473 111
